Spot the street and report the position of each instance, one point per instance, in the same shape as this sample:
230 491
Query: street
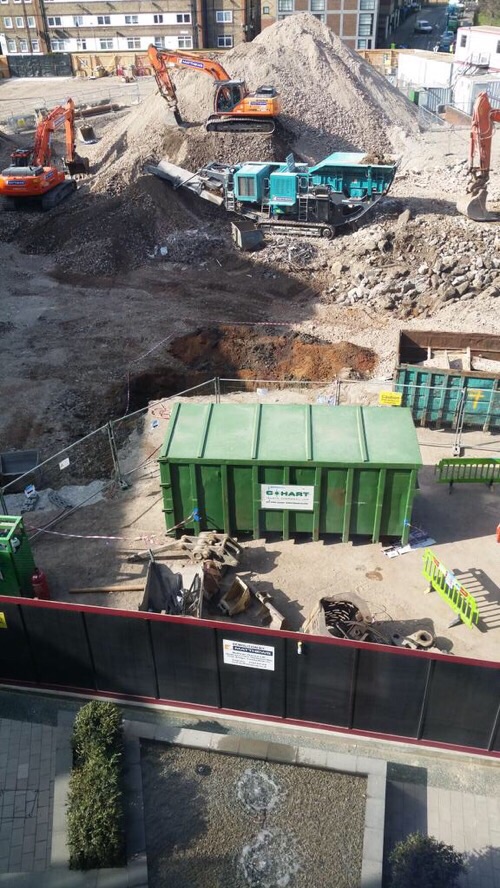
404 36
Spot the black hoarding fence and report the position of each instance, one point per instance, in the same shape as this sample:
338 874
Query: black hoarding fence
55 65
350 686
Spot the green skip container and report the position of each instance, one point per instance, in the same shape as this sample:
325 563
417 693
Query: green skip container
290 469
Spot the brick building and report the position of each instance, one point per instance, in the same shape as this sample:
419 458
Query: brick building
22 27
353 20
70 26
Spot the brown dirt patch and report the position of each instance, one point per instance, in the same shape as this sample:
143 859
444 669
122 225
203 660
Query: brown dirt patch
246 353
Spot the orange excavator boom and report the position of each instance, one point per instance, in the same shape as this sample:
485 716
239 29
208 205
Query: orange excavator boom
481 134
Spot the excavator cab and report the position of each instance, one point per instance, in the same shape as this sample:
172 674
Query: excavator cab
228 94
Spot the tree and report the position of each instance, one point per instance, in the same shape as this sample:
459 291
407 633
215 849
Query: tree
423 862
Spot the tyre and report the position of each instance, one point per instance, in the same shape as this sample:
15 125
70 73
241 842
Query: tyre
327 232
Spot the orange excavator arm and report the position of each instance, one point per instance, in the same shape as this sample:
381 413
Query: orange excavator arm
41 155
163 59
481 133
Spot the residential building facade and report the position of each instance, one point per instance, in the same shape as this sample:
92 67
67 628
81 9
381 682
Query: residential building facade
70 26
353 20
22 27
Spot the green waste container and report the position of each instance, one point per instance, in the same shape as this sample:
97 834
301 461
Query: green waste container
16 560
291 469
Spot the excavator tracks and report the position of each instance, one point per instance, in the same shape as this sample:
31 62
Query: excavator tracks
54 197
216 124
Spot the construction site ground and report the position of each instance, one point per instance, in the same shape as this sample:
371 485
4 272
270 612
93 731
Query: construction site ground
97 320
90 549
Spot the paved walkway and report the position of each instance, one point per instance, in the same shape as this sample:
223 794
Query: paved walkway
455 798
27 760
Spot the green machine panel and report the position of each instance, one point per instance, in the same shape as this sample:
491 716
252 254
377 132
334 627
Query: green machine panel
289 469
16 560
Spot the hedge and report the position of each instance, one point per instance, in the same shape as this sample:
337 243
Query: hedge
95 803
423 861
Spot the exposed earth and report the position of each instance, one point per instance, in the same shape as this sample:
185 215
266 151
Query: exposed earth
89 294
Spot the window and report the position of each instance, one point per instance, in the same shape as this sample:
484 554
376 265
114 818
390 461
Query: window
23 44
11 46
103 20
158 19
365 25
31 21
266 10
4 1
77 21
81 43
366 5
361 44
54 21
224 41
133 42
35 46
19 21
223 16
185 43
246 186
158 42
183 18
317 5
57 45
285 5
7 22
106 42
130 19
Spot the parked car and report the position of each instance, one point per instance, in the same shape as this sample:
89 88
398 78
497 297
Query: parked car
423 27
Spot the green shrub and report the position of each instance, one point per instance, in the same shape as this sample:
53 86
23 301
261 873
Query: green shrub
423 862
98 726
95 802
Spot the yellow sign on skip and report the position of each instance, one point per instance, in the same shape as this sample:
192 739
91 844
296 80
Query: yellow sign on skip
3 621
476 395
390 399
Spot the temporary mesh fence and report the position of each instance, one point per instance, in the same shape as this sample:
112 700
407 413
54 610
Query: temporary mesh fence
61 481
126 449
147 427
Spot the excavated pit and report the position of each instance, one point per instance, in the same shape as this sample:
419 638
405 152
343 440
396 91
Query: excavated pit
240 352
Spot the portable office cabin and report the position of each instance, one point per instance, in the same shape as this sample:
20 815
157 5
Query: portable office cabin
299 468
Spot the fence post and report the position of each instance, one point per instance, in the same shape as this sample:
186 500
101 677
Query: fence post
3 505
114 455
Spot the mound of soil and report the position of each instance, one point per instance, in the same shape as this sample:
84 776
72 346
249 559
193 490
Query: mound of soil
243 353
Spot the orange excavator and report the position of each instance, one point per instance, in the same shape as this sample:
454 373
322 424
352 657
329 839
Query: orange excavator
483 119
236 110
33 175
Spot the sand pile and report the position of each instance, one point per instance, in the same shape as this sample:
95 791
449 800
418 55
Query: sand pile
331 98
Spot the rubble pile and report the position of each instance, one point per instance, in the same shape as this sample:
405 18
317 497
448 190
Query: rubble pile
332 100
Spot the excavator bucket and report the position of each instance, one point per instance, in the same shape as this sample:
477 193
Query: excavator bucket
79 166
474 207
87 135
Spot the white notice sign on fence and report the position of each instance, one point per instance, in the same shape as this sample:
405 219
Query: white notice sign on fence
256 656
287 496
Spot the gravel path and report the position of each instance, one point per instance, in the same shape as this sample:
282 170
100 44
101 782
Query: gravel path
219 821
